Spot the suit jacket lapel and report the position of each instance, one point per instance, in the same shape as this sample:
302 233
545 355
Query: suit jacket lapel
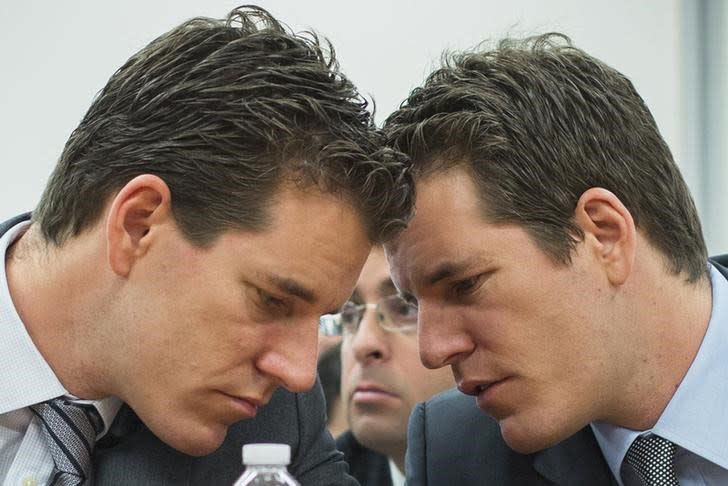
124 424
6 225
576 461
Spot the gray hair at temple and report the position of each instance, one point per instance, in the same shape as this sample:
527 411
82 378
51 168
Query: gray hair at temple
537 122
226 112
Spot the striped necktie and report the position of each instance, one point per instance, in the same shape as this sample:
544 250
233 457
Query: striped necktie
653 459
70 430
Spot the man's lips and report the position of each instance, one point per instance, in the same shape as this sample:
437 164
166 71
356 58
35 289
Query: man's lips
370 392
246 406
482 389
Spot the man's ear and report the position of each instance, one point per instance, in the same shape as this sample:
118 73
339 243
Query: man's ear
141 205
609 228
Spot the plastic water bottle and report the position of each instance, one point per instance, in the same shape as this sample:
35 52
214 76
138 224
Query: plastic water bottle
265 465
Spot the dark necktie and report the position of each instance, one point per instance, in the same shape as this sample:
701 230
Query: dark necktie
70 430
653 460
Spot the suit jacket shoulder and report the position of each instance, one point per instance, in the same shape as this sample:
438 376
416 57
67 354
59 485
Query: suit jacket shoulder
721 263
369 467
452 441
6 225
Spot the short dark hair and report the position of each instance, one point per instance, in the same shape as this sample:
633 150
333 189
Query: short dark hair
537 122
225 111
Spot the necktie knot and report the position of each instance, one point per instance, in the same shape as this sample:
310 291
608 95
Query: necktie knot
70 430
653 460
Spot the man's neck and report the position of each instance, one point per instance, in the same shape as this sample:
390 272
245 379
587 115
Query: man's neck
672 320
49 286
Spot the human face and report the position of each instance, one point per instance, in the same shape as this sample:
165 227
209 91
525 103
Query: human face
382 377
208 334
530 338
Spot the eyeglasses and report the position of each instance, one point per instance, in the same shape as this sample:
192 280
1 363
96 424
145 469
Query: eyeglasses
393 314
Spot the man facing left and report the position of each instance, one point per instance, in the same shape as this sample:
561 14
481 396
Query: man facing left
173 274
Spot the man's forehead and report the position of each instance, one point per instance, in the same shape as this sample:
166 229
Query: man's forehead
445 236
382 288
374 277
313 249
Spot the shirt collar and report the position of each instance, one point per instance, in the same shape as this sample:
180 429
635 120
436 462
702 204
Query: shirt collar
395 474
25 373
694 417
107 408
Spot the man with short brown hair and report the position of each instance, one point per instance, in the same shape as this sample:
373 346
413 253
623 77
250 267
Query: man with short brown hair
382 377
559 268
162 301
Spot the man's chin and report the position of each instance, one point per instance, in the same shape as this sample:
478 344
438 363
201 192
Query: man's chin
198 449
524 439
194 441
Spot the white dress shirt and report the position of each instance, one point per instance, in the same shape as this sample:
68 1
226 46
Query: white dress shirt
396 474
695 418
27 379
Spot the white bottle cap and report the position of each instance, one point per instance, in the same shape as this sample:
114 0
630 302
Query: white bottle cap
262 454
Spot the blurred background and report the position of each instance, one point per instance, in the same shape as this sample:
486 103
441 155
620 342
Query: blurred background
56 55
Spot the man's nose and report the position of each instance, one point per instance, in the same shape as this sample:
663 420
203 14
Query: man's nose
441 340
369 343
292 358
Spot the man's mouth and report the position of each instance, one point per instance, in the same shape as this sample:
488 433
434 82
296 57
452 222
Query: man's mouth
246 406
372 393
484 390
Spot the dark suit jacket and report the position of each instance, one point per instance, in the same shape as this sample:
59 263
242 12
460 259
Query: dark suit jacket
131 455
369 467
451 441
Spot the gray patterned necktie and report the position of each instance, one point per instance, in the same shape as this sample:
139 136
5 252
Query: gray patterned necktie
653 459
70 430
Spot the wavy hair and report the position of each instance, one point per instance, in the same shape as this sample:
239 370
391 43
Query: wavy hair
225 111
537 122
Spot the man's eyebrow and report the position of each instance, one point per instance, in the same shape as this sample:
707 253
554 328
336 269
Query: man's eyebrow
443 271
448 269
291 287
387 287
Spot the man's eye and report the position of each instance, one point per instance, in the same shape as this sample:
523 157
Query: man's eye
271 302
404 310
467 286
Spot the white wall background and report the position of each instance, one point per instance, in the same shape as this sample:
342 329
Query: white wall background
56 55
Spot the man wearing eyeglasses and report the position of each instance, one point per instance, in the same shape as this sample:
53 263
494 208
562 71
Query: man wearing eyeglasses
382 377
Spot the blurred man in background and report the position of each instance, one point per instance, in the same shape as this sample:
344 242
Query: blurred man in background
382 377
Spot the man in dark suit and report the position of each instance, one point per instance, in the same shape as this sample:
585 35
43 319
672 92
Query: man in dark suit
559 268
221 193
368 466
382 377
